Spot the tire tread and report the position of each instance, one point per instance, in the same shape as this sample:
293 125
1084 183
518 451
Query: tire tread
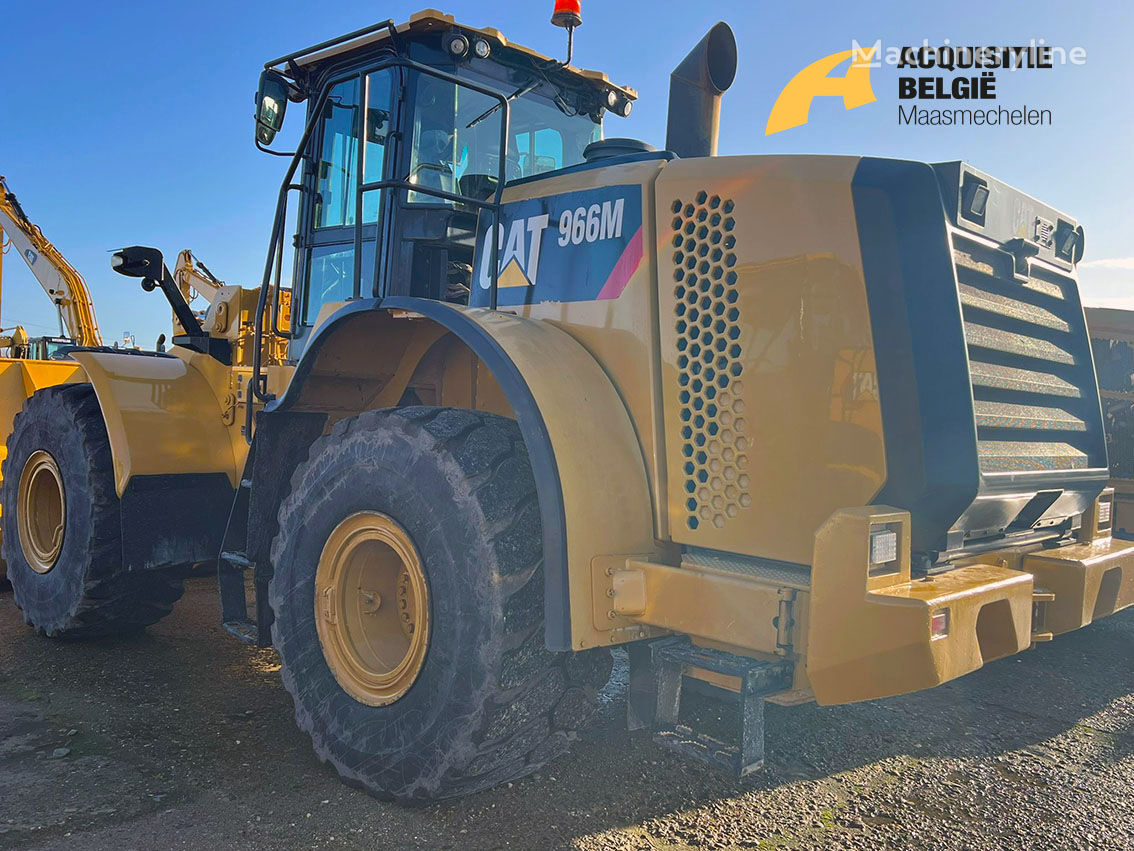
539 698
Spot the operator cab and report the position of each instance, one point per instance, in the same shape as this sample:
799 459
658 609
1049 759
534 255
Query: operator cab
412 132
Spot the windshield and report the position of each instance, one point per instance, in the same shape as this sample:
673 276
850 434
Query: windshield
450 155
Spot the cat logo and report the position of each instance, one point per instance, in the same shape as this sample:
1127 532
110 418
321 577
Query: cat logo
519 256
519 253
574 246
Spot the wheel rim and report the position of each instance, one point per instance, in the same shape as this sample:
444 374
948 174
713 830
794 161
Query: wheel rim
42 511
372 608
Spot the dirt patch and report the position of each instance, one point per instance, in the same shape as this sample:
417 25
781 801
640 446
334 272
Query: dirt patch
183 738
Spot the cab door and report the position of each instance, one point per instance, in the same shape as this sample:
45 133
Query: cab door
331 269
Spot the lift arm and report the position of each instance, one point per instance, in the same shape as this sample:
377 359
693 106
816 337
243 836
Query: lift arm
59 279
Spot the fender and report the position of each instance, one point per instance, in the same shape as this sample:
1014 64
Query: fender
162 415
590 473
175 462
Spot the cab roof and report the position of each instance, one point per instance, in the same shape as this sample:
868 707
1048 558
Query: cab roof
433 21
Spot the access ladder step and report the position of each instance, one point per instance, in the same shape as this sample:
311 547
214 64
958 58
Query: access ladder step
245 630
238 560
757 679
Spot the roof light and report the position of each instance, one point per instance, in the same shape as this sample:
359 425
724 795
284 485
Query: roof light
618 103
979 200
482 48
568 13
457 45
974 198
1069 242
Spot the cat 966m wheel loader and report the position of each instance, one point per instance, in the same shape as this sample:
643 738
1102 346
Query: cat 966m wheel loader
798 427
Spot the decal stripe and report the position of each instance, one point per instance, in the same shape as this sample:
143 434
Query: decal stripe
624 269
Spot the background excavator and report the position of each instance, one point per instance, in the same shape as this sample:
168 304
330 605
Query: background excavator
33 363
63 284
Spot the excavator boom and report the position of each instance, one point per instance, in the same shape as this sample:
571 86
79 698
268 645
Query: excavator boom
59 279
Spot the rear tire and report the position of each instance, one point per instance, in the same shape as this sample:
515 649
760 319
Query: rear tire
77 587
489 703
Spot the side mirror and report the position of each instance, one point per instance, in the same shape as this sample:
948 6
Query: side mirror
271 104
139 261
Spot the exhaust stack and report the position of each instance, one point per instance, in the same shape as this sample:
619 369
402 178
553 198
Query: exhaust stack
695 89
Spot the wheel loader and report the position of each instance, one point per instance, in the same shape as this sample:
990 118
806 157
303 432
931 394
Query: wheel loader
785 428
1112 340
36 363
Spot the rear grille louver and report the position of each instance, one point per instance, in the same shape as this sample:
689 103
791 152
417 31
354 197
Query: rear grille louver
1029 362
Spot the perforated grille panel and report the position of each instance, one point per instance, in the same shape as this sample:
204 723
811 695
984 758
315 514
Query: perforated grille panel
710 391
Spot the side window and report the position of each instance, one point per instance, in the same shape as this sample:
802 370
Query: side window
338 153
338 158
330 254
332 274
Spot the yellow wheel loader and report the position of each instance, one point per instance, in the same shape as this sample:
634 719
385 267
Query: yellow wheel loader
36 363
1112 340
795 427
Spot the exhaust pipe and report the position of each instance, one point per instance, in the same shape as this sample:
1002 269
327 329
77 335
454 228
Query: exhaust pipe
695 89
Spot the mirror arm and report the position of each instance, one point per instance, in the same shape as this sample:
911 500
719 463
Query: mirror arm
177 301
260 146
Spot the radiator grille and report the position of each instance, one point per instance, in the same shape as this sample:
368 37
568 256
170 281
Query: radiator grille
1029 363
709 361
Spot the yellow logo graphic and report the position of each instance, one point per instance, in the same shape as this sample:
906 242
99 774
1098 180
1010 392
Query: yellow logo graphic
794 103
513 276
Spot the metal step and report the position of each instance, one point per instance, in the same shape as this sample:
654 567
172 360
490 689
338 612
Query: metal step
245 630
758 679
238 560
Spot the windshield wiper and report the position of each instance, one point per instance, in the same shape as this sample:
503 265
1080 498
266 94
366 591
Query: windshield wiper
528 87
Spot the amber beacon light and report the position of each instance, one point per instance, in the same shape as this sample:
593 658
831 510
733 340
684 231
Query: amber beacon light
568 14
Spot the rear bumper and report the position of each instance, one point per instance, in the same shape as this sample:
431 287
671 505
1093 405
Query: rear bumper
871 636
1089 581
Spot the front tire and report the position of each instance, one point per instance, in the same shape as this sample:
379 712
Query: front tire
62 532
452 491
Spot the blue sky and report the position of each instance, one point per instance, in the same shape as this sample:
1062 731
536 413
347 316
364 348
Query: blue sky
124 123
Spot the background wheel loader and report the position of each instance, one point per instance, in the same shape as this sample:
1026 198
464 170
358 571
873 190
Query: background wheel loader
796 427
1112 340
36 363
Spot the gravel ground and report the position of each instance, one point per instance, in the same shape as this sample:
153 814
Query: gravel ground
183 738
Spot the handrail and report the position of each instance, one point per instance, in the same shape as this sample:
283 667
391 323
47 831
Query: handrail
387 24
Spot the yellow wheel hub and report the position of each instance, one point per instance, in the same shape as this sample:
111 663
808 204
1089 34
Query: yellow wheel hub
42 511
372 608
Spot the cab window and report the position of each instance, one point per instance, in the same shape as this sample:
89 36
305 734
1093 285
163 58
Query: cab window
330 264
449 154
